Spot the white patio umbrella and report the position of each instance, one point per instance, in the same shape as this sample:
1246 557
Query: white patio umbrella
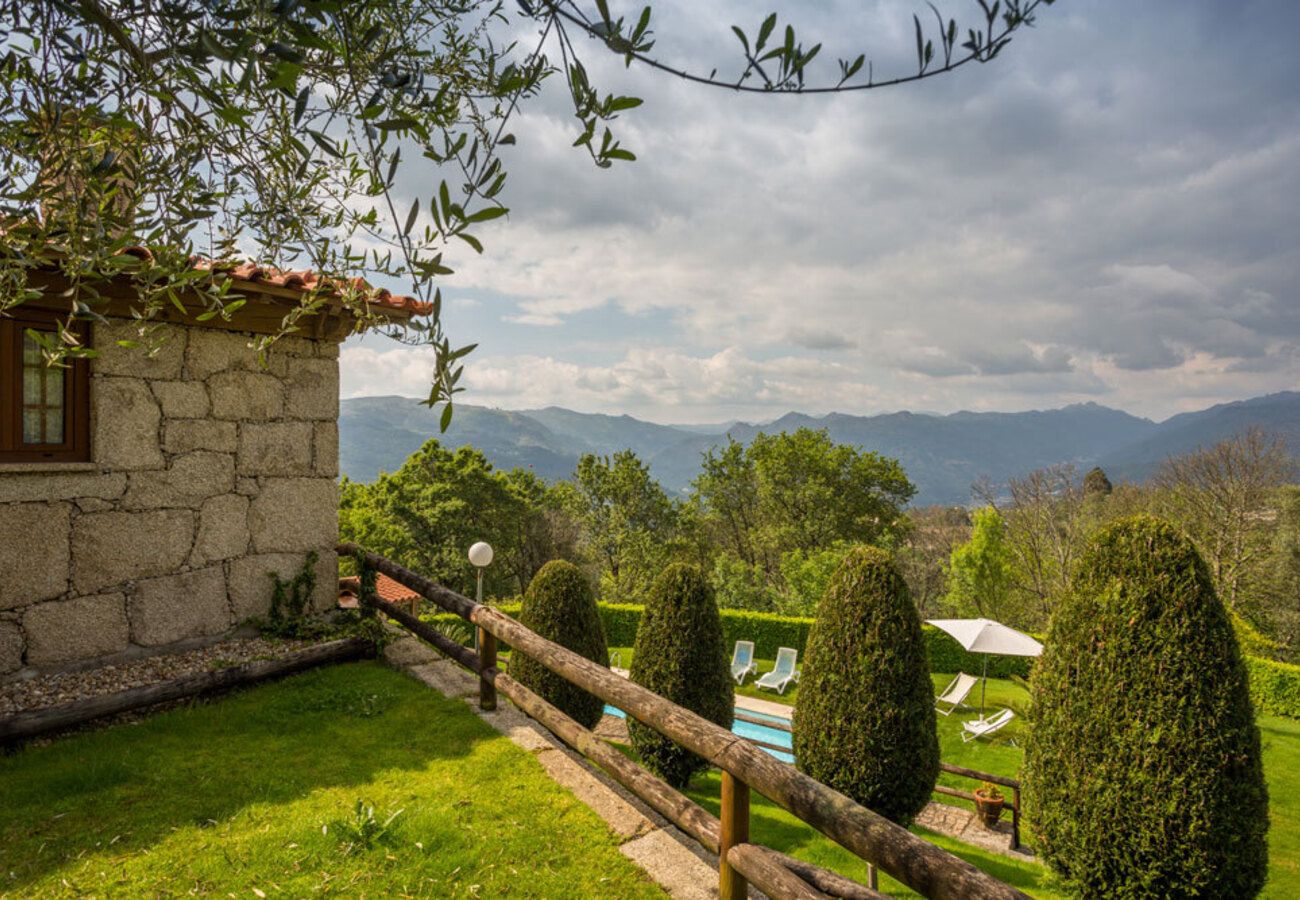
989 638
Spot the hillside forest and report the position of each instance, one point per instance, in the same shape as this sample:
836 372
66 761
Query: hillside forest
770 520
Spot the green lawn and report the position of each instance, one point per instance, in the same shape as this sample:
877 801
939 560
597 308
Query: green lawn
248 794
1002 756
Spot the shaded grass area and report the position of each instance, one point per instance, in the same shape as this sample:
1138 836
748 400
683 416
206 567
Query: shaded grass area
257 792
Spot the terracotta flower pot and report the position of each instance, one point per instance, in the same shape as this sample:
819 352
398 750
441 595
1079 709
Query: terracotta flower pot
988 808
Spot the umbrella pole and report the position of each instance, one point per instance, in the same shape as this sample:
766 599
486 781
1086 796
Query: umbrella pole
984 684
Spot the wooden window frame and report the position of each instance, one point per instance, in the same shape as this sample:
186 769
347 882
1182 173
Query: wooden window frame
76 395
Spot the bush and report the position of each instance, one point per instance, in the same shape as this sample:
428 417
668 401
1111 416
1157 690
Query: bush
864 723
680 655
1274 687
1142 774
560 606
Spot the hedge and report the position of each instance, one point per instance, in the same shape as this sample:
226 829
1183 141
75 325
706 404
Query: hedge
769 631
1274 687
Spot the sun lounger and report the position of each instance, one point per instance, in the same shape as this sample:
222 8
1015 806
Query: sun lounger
954 695
784 672
742 661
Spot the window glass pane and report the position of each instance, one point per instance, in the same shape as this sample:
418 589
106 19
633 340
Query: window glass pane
31 350
31 426
31 386
54 388
54 426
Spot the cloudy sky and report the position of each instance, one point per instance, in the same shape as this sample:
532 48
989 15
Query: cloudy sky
1109 212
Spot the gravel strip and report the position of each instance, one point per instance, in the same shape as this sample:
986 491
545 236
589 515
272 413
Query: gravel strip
65 687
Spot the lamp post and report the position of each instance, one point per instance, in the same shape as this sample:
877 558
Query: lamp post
485 645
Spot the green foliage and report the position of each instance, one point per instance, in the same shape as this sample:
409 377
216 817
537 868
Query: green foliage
621 621
680 655
980 570
865 722
560 606
1143 774
805 575
1095 483
426 515
741 585
627 520
363 831
1274 687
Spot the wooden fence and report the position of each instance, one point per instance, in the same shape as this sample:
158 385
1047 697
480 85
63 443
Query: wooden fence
920 865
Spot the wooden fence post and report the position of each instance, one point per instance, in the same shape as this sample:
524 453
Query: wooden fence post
735 830
487 658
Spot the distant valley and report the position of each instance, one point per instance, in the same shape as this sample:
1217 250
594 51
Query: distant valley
943 455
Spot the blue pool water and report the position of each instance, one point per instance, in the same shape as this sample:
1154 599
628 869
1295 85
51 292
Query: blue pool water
747 730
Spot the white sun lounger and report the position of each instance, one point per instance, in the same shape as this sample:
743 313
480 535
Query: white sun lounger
978 728
783 673
955 693
742 661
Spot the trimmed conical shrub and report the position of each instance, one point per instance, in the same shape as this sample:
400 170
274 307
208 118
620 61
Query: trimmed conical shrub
864 723
1142 773
680 655
559 605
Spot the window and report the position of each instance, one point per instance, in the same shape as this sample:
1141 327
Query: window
44 410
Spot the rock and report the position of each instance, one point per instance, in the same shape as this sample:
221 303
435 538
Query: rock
70 630
34 547
212 350
246 395
126 418
312 389
327 449
176 607
111 547
20 487
200 434
134 362
223 529
295 514
191 479
247 487
182 399
251 584
11 648
275 448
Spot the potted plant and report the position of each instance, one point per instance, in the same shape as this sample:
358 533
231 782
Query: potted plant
988 803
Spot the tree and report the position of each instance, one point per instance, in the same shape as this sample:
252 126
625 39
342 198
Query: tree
980 575
627 521
1096 484
560 606
427 513
783 505
214 126
865 721
1142 773
1046 525
933 533
1223 495
680 655
813 492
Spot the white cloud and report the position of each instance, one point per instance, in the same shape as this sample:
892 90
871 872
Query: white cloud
1097 215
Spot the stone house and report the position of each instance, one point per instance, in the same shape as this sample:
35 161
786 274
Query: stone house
144 500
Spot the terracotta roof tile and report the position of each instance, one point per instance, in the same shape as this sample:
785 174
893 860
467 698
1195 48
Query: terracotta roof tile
385 587
306 279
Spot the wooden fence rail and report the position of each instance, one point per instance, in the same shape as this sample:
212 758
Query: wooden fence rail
922 866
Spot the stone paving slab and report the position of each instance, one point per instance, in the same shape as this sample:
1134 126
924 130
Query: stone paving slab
767 707
673 867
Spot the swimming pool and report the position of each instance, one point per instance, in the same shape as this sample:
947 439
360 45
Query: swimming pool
748 730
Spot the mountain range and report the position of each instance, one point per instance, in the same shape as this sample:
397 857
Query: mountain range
942 454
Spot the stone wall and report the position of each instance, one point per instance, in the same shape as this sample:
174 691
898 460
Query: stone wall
209 472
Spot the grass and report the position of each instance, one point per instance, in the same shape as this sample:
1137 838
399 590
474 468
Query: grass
1002 756
259 793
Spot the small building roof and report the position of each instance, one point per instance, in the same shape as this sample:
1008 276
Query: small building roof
385 587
